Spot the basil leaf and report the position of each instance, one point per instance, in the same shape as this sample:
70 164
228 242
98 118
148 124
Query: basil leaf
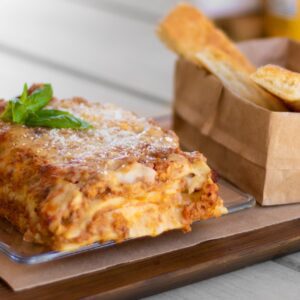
45 113
55 119
24 95
15 110
28 110
39 98
19 111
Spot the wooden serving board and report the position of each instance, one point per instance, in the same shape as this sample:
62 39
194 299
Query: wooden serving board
172 270
271 232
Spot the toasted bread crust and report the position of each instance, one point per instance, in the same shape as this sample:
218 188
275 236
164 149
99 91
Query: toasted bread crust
190 34
281 82
186 31
236 79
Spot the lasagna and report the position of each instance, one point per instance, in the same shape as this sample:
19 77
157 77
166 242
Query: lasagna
124 178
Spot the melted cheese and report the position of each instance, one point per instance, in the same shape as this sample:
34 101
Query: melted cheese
136 172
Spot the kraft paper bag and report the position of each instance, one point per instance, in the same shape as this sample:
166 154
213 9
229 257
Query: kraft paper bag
256 149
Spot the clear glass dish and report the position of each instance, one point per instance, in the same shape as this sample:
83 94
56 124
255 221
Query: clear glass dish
13 246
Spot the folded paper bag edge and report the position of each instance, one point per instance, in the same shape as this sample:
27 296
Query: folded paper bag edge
186 93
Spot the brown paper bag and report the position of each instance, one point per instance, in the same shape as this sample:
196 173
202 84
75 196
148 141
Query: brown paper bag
256 149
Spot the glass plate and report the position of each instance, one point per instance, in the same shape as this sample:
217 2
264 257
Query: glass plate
12 244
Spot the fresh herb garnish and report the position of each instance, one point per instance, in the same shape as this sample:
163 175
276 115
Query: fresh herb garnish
55 119
28 110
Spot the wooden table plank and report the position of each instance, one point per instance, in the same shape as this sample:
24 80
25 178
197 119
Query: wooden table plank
100 44
263 281
175 269
14 72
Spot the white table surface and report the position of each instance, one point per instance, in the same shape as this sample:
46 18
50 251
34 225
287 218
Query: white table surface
107 51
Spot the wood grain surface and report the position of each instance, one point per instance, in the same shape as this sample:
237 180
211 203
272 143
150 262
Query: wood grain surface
132 281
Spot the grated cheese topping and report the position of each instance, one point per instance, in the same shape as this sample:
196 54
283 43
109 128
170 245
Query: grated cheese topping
118 137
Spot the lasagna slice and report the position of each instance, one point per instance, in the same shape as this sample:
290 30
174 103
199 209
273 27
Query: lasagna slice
124 178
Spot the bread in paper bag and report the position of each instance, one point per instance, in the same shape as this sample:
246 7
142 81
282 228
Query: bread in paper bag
254 148
192 35
186 31
236 78
281 82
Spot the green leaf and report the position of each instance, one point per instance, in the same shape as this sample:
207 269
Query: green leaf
24 93
46 113
39 98
19 111
14 110
28 110
55 119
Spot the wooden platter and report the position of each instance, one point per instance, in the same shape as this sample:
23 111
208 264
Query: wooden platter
173 270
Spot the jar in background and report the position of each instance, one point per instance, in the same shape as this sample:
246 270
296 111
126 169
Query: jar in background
283 18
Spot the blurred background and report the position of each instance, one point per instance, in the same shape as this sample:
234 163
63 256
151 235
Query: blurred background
107 50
